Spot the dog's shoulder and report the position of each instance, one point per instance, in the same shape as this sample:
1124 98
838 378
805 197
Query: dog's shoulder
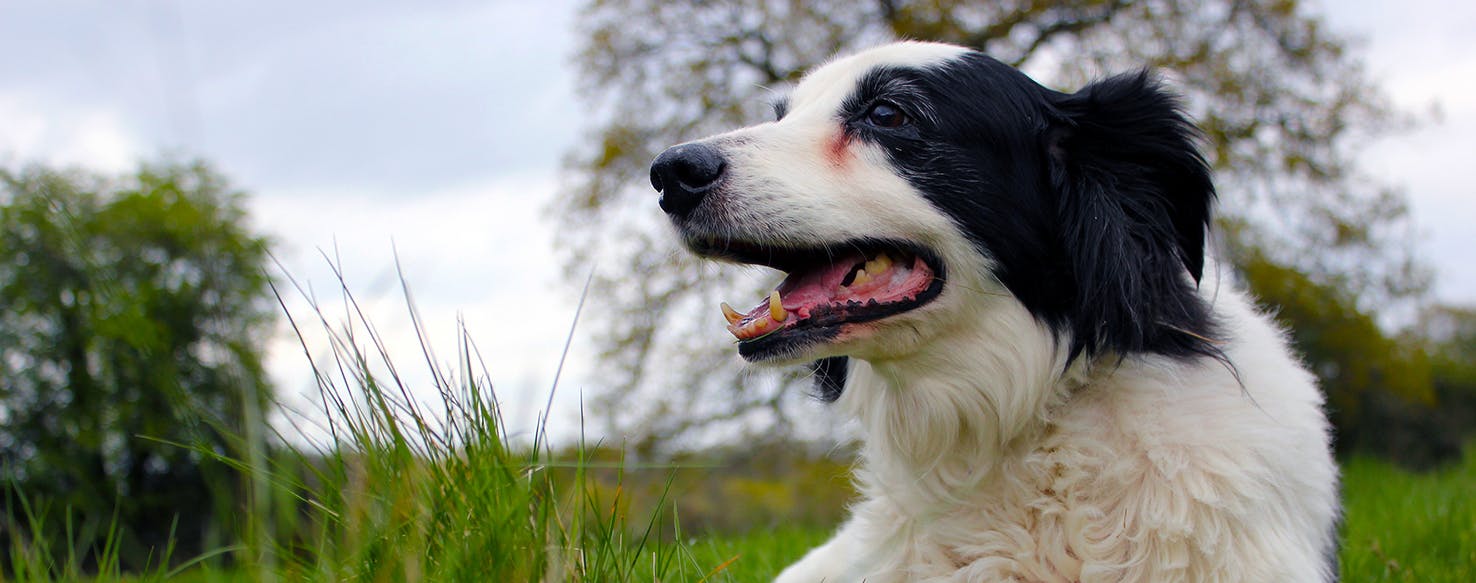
1154 469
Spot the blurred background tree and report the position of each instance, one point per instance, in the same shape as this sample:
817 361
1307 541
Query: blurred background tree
132 317
1284 104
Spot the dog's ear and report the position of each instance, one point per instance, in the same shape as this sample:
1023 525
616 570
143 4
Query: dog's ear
1134 197
830 377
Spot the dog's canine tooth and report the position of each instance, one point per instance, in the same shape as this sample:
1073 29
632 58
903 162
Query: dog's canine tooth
731 314
776 309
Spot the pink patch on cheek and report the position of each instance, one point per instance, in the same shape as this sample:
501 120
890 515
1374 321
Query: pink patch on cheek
837 151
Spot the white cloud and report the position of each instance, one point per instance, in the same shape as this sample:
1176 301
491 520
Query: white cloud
391 99
1423 60
96 139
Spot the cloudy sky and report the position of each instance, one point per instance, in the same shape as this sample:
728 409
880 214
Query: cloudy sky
433 132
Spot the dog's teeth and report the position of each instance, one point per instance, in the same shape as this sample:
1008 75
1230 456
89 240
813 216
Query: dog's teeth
880 264
761 324
731 314
776 309
861 277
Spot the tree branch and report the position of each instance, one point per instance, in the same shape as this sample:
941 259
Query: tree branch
1069 25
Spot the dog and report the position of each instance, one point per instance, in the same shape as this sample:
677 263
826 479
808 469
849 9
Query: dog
1006 287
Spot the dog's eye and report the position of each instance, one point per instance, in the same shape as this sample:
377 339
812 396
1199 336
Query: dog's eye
886 115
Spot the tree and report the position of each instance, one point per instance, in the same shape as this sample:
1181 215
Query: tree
1345 348
131 317
1435 430
1282 102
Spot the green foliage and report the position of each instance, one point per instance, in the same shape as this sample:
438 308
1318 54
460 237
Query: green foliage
1340 343
131 311
1283 102
1449 336
1451 332
1410 398
1362 370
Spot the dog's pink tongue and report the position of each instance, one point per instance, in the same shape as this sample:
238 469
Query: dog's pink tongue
878 280
803 291
794 300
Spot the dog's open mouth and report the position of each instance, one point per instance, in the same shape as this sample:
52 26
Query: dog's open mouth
826 288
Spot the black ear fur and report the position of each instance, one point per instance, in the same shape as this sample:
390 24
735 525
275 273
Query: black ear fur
1134 198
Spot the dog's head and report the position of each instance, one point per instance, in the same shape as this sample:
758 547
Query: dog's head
905 188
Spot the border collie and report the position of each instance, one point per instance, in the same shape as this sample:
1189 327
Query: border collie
1006 287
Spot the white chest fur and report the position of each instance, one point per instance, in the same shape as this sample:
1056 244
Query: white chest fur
1143 470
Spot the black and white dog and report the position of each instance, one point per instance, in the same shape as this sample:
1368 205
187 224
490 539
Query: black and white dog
1006 287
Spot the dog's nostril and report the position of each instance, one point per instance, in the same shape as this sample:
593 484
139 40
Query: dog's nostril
656 179
699 171
688 167
683 174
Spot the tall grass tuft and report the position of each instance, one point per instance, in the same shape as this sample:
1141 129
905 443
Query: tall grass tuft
33 552
417 480
409 491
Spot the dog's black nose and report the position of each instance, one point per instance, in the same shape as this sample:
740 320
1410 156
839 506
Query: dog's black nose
684 174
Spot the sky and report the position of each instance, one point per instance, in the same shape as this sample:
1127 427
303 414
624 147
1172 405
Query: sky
432 133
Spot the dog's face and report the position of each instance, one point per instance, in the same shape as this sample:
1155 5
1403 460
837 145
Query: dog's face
906 188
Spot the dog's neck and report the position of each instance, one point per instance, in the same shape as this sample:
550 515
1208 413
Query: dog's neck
940 420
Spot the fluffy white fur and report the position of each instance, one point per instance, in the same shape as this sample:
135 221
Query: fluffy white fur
986 458
1141 471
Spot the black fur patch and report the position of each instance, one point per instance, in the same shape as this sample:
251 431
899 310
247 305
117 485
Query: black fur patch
781 107
787 343
830 377
1093 205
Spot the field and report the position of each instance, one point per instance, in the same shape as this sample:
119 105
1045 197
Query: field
1400 526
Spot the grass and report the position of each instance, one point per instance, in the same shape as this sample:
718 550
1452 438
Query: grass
757 555
1399 526
406 490
414 491
1402 526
